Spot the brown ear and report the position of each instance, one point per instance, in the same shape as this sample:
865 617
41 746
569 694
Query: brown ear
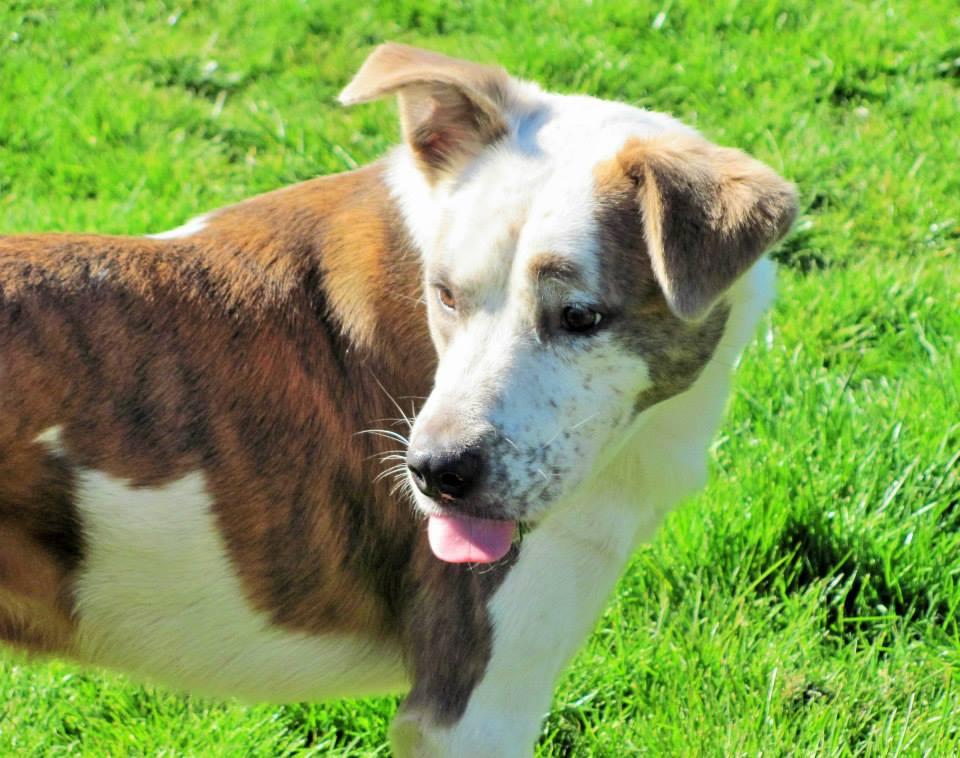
449 109
708 213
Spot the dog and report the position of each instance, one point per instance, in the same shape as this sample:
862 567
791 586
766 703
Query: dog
201 483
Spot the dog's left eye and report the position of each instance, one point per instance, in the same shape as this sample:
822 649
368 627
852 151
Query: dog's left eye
580 319
446 298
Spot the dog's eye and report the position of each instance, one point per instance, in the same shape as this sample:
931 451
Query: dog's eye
580 319
446 298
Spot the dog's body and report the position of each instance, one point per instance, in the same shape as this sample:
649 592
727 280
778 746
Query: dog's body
186 489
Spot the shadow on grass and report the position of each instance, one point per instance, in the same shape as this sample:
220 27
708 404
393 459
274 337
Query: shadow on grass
862 597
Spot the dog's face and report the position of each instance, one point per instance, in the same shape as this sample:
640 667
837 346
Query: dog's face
576 257
532 326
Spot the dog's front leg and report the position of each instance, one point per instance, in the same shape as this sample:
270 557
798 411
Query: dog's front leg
484 689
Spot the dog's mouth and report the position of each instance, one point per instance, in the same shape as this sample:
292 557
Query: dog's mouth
465 539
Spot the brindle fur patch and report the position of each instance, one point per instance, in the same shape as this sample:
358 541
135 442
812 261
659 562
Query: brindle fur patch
450 634
41 544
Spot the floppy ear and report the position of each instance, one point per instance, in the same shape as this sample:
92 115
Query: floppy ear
708 213
449 109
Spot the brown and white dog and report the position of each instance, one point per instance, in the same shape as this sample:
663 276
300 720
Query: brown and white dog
187 491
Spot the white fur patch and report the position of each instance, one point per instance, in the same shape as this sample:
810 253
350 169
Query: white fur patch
188 229
157 597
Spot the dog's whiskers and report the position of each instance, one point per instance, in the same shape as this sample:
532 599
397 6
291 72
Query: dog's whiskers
387 433
397 471
408 420
399 468
397 421
383 455
510 442
404 487
584 421
563 429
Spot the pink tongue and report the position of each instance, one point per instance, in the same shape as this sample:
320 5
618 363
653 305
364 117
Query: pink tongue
459 539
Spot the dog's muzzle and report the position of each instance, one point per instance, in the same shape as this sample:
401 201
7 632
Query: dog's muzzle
449 477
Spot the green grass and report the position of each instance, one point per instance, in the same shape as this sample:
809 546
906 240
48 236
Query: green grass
807 601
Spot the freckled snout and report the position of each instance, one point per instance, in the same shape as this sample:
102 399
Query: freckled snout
445 474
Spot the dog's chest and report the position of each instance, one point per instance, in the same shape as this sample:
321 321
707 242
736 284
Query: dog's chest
158 597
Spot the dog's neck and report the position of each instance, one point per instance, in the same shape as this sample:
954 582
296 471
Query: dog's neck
341 234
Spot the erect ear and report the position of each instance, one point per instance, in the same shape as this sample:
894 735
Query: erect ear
449 109
708 213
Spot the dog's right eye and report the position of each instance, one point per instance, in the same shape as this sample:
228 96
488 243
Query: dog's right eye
579 319
446 298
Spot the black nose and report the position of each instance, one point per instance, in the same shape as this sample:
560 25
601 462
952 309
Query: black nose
445 474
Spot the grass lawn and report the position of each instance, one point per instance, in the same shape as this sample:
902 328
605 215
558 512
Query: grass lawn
807 602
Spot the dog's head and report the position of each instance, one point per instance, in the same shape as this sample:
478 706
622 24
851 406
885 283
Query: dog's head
578 258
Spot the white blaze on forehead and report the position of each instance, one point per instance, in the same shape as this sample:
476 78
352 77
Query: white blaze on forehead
538 182
562 223
482 218
587 126
513 209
